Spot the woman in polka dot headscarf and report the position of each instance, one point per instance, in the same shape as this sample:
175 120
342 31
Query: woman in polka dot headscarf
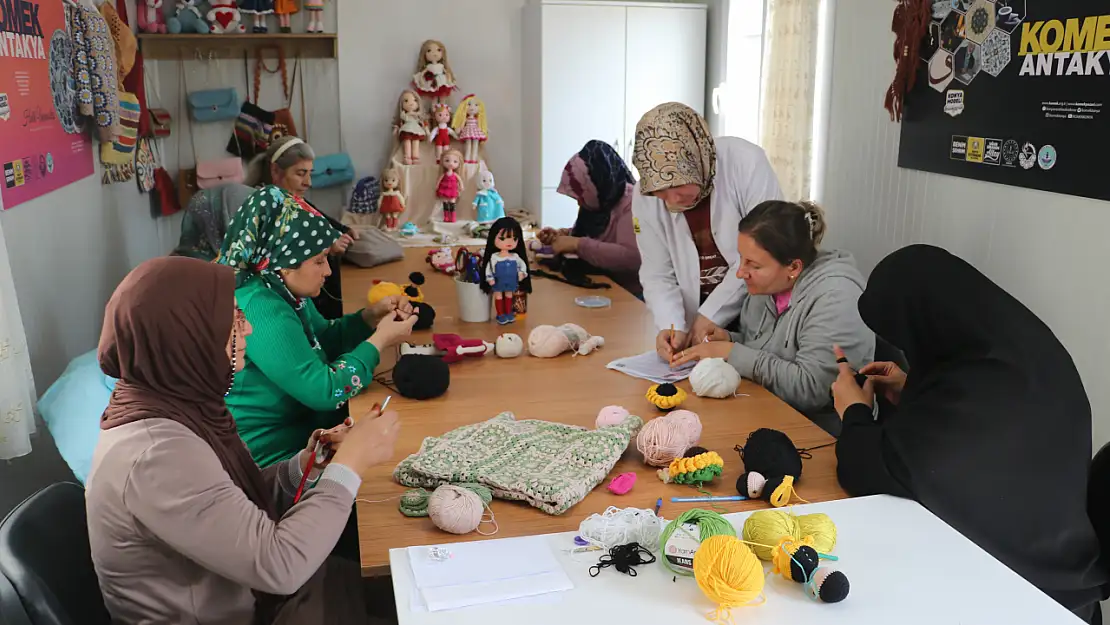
301 369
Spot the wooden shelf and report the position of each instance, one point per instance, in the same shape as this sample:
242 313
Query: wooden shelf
308 45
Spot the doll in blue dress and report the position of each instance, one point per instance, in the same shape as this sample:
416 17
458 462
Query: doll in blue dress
505 267
488 204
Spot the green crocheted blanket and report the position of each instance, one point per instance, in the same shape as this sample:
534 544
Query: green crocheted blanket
552 466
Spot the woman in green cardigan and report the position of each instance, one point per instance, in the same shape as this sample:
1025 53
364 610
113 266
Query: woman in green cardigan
300 368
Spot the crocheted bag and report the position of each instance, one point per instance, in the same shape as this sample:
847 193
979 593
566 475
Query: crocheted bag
364 199
552 466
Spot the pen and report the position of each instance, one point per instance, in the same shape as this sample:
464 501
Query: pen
384 404
701 499
658 505
672 335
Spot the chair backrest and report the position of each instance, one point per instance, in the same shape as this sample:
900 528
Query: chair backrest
11 608
1098 500
44 553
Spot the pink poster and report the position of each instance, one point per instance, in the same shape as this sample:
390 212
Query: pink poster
37 153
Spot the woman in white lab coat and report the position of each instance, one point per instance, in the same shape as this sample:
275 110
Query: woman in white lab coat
694 191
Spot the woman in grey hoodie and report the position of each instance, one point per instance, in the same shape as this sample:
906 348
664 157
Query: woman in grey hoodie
800 302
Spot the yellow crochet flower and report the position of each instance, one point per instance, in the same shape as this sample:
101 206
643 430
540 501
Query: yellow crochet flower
666 396
698 469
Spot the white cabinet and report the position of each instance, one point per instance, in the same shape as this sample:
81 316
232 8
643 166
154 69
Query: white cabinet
591 70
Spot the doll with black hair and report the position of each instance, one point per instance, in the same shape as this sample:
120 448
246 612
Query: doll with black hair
505 267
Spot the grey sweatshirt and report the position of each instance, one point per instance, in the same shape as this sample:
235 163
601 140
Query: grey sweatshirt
791 355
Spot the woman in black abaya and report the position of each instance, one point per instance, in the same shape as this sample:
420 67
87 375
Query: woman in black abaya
991 427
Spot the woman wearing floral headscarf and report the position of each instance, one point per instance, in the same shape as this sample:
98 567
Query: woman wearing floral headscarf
601 183
300 368
694 190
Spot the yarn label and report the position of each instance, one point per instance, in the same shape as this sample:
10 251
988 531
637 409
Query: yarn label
682 545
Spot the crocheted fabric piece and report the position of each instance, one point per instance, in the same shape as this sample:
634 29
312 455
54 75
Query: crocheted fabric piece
552 466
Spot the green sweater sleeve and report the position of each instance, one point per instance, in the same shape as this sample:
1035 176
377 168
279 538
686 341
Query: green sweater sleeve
280 350
338 336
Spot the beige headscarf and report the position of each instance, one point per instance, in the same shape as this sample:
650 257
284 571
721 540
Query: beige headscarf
674 148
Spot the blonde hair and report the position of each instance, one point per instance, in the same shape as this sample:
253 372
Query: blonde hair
457 154
391 172
460 114
421 114
422 60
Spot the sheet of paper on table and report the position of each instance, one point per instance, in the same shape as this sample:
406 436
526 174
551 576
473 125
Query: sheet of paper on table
486 572
649 366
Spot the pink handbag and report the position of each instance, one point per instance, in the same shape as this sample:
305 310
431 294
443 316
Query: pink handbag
220 171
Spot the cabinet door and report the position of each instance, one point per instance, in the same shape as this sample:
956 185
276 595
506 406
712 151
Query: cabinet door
583 84
665 62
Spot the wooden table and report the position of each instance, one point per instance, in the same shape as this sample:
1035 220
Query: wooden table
565 389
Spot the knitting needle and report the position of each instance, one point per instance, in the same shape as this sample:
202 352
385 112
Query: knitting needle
702 499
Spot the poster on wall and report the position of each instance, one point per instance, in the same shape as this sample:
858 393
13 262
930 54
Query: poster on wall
37 152
1013 92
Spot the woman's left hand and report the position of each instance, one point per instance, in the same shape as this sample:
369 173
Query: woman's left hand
385 306
564 244
331 440
845 391
714 349
343 242
703 328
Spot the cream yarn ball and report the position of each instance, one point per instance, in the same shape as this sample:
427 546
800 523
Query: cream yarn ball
668 437
509 345
455 509
611 415
714 377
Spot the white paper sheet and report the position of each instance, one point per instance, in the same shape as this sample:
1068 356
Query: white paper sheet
649 366
418 604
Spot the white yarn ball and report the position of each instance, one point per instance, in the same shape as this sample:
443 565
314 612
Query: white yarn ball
509 346
619 526
713 377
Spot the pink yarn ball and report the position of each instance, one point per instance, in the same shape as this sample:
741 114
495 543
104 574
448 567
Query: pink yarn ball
455 509
547 342
668 437
611 415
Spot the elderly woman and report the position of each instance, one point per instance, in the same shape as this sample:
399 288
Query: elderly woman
694 191
300 368
603 236
183 526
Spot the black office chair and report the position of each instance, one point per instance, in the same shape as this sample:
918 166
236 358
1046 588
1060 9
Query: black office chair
1098 500
44 553
11 608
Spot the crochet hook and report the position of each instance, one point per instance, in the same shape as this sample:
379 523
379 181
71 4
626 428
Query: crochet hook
703 499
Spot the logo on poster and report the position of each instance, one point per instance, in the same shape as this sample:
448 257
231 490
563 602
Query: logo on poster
13 174
1047 157
49 163
5 108
992 154
959 148
954 102
1028 157
976 146
1010 151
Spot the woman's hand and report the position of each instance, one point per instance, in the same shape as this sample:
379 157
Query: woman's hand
343 242
845 391
331 439
565 244
547 236
702 329
391 331
719 334
668 342
713 349
370 441
889 379
398 304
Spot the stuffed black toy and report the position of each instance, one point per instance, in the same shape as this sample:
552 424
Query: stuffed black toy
771 466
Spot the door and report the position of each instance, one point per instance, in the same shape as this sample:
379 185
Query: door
666 52
583 88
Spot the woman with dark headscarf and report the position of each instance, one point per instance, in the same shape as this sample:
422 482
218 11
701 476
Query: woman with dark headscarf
206 218
991 427
603 235
183 525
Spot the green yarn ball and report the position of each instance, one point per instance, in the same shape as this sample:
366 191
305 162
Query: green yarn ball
709 524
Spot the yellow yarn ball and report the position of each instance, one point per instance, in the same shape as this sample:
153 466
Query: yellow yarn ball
766 527
728 573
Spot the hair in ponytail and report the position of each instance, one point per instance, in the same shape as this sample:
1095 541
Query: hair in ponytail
789 231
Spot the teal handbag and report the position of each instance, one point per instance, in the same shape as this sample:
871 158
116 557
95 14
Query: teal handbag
332 170
214 105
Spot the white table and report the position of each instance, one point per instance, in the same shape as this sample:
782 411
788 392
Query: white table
906 567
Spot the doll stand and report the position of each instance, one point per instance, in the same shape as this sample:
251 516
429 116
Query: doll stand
418 184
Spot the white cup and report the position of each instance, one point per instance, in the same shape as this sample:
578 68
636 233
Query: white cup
474 305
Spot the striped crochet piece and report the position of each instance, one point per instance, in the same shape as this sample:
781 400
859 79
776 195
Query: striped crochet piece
552 466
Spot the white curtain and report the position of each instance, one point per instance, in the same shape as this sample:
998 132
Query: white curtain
788 92
17 387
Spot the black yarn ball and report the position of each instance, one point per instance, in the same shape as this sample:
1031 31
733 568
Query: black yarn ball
803 563
425 316
771 453
694 451
835 588
421 377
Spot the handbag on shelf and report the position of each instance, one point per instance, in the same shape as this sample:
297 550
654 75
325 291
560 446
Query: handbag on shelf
164 200
213 105
219 171
144 165
160 122
251 135
332 170
118 155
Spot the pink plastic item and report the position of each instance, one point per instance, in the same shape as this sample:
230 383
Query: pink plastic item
622 483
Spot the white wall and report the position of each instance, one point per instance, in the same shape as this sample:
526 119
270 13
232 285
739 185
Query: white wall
1042 247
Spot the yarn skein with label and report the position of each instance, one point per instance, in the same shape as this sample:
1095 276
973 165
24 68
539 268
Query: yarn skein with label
709 524
665 438
766 527
729 575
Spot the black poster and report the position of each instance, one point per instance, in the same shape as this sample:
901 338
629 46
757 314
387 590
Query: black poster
1013 92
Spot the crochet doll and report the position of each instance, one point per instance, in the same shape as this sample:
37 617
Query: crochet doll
392 203
487 201
187 19
410 125
450 184
259 9
433 78
283 9
150 17
224 17
315 10
505 267
442 134
470 124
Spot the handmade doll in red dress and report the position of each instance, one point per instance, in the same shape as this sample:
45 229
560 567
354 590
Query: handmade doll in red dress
392 203
433 78
442 132
411 125
470 123
450 184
